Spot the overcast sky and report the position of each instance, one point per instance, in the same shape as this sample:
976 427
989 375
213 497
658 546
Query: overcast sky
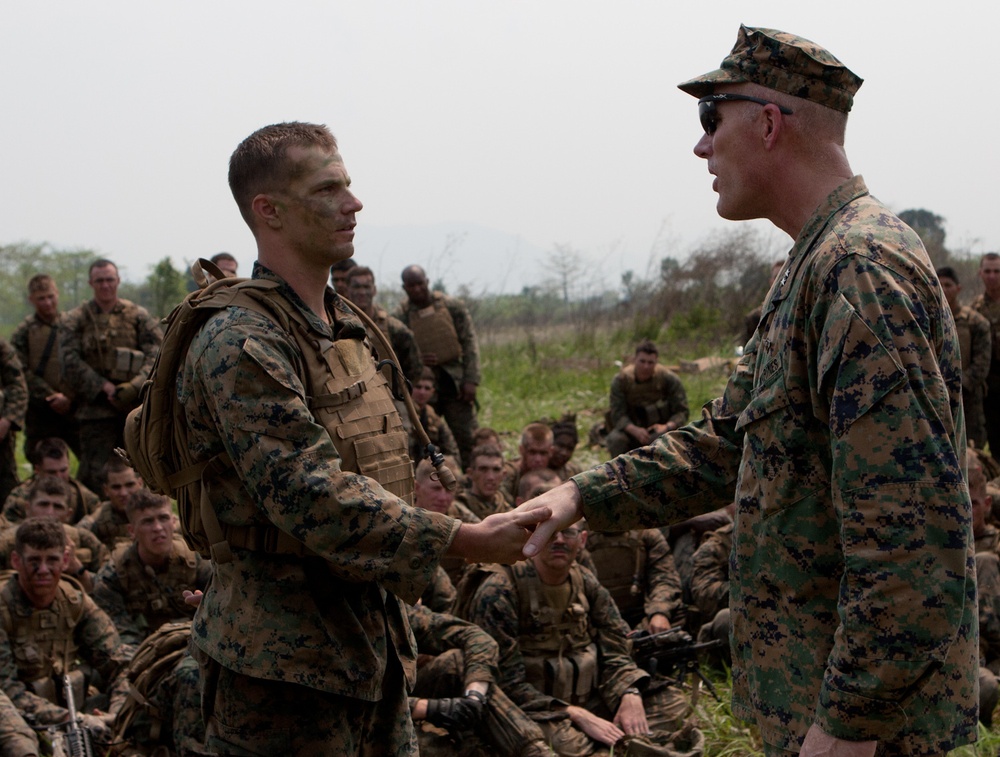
552 121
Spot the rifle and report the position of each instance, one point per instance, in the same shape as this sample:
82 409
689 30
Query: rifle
77 737
671 654
67 739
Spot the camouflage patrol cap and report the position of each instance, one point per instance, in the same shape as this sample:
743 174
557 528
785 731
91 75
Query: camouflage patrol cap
784 62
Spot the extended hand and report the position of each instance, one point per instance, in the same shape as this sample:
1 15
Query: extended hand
565 507
498 538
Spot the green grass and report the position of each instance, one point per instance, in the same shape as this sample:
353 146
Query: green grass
532 375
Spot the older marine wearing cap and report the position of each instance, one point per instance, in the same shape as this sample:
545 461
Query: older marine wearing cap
839 437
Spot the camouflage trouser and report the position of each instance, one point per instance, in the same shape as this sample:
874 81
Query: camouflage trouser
246 717
665 710
17 739
98 438
506 731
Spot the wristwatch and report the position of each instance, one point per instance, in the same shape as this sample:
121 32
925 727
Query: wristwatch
632 690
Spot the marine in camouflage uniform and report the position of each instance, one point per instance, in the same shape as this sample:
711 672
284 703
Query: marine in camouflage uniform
81 501
988 584
50 398
39 643
534 449
361 290
647 399
710 588
141 588
447 339
17 739
302 634
108 345
89 550
637 569
13 405
458 655
564 651
987 304
109 522
976 342
482 496
840 437
436 427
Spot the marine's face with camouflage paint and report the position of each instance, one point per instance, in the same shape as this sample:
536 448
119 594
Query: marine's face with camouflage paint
317 208
38 573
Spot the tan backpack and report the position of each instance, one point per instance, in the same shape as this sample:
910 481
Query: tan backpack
156 437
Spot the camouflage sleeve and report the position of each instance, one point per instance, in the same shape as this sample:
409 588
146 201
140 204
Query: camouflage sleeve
982 351
494 609
437 632
663 582
619 408
675 400
76 371
16 737
246 379
99 641
467 337
15 389
38 387
683 473
109 596
404 344
618 671
27 702
710 574
880 384
149 337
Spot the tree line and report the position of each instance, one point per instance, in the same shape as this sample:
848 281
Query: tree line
698 299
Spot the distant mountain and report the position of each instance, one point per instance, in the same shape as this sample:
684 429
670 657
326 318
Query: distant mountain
485 260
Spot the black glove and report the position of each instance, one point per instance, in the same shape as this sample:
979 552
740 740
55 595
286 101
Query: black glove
454 713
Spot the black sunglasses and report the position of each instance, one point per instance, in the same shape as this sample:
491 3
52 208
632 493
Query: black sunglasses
707 108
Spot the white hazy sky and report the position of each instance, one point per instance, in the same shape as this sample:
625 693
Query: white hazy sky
554 121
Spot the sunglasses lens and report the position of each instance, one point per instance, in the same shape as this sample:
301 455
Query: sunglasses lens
706 112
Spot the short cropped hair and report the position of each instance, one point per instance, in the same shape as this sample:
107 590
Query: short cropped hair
143 499
260 163
100 263
114 465
40 282
50 448
989 256
39 533
359 270
647 346
48 485
485 450
947 272
536 432
222 256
